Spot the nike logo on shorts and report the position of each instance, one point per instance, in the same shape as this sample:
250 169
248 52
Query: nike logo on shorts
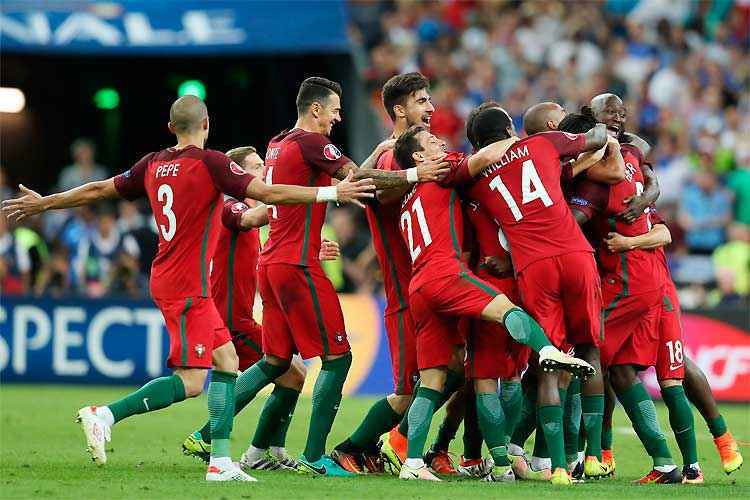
675 367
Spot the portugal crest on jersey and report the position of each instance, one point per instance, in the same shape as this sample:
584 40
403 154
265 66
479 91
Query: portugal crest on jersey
200 350
331 152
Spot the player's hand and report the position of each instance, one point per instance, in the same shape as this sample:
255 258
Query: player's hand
433 169
636 206
497 266
329 250
617 243
30 203
348 191
386 145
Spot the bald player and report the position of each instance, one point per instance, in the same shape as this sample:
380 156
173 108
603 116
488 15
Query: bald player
184 185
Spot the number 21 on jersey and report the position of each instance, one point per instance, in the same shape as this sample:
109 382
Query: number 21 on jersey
531 189
406 225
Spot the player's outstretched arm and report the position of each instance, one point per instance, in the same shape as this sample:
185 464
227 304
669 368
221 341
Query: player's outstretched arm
638 204
346 191
658 236
372 160
489 155
32 203
611 169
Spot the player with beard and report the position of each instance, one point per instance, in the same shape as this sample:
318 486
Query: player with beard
633 288
672 372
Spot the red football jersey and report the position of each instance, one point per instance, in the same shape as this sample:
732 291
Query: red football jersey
522 193
432 227
635 271
305 159
234 272
390 250
491 241
184 188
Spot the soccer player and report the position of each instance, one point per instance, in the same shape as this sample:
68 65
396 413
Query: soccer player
633 288
233 286
522 192
184 185
407 101
301 311
545 117
442 290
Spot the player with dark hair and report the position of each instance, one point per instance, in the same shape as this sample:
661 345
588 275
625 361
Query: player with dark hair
633 288
292 284
184 185
529 176
674 370
407 100
442 290
234 285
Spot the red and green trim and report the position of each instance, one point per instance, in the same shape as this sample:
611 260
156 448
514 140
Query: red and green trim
204 250
318 311
247 341
389 258
485 287
623 271
308 223
183 333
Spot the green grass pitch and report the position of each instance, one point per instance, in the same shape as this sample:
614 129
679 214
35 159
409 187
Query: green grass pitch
42 456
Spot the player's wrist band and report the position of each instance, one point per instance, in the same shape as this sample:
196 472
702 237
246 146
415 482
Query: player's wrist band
327 193
412 175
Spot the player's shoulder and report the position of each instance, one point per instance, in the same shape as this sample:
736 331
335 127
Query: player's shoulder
386 161
552 135
633 150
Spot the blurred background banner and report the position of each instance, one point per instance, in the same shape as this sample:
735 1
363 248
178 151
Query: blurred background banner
119 342
172 27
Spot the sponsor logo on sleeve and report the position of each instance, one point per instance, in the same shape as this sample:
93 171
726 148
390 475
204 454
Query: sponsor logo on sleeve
575 200
331 152
238 207
236 169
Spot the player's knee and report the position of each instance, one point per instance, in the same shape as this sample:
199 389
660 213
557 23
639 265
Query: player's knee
485 385
622 377
399 402
225 358
294 378
671 382
193 380
496 310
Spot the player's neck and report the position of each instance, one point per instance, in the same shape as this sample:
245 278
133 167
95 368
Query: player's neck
399 128
189 140
308 124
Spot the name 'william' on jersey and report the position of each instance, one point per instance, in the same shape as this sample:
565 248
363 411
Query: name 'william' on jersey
522 193
305 159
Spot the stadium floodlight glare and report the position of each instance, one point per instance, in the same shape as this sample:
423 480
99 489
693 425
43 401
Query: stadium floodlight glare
12 100
192 87
107 98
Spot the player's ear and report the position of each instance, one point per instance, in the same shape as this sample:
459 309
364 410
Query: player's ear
171 128
204 123
399 111
551 125
418 156
315 109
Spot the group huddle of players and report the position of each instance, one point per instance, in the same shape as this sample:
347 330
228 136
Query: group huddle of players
526 285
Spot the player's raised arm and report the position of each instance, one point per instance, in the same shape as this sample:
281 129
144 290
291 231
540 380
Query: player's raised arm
609 169
488 155
637 204
128 185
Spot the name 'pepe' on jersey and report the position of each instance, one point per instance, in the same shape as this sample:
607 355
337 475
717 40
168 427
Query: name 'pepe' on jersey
432 226
184 187
392 254
522 193
304 159
635 271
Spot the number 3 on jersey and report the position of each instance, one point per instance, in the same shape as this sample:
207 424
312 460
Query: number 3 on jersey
531 189
406 226
166 195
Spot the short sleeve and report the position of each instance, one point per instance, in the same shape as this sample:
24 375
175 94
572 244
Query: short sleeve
231 214
227 176
320 153
459 174
589 197
131 183
565 143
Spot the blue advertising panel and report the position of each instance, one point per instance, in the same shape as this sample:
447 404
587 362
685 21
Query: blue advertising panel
171 27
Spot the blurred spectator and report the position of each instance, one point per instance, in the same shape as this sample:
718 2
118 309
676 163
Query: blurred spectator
357 256
739 182
705 210
83 169
732 261
106 256
54 275
15 262
5 190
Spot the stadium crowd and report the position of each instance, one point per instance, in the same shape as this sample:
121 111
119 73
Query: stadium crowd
683 69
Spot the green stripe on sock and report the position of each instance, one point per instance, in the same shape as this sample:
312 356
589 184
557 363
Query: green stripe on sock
275 412
221 411
420 418
492 423
593 413
550 419
642 412
682 422
155 395
524 329
379 419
